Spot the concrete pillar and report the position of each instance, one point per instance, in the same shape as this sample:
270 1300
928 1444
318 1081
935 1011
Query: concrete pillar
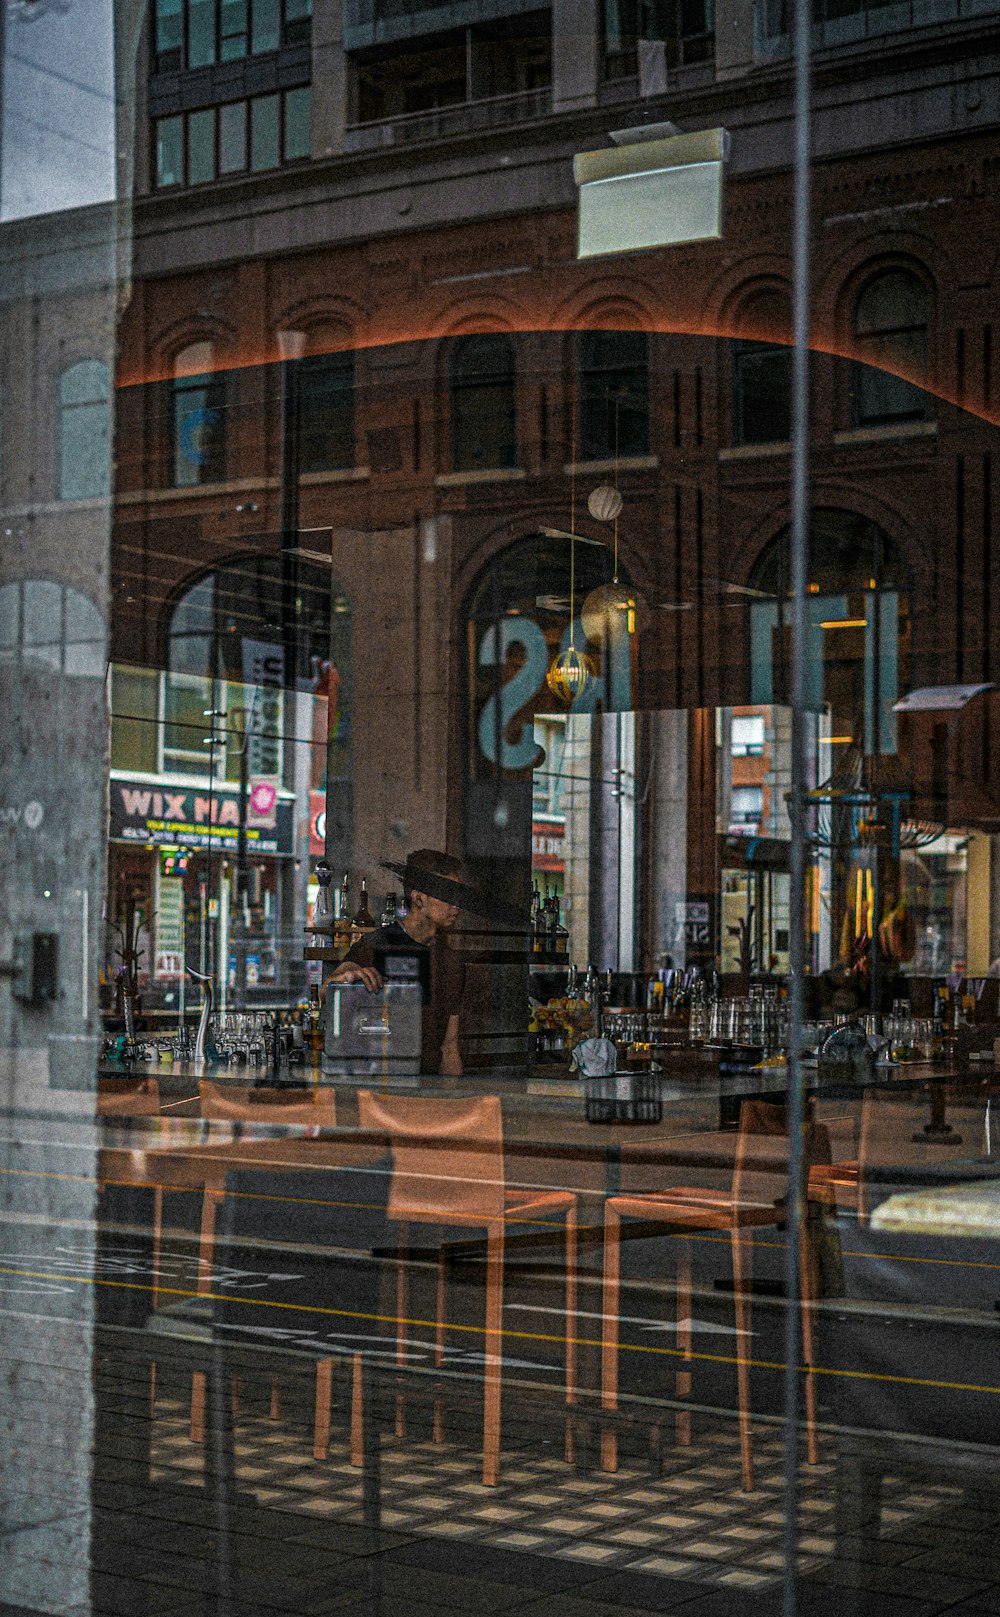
668 837
577 37
329 79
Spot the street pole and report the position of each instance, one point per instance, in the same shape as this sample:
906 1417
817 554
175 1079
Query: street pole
797 907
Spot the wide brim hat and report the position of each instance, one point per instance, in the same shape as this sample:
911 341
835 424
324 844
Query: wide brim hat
416 877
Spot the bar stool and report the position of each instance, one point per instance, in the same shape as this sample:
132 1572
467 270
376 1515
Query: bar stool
761 1161
448 1168
128 1097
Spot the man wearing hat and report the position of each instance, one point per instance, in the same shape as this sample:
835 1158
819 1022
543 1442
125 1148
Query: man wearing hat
434 894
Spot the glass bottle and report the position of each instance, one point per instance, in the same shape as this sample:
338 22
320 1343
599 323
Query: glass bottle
363 919
342 927
389 915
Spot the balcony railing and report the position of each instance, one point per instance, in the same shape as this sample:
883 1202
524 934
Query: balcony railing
843 22
460 118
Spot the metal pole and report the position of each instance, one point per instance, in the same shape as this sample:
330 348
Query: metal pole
797 916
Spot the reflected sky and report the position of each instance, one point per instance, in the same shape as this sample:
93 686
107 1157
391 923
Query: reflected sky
58 106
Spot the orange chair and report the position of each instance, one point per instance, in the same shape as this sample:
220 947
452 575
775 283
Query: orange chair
755 1199
239 1103
448 1168
128 1097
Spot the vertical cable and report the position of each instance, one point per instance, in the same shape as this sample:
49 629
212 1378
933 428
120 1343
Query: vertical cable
797 916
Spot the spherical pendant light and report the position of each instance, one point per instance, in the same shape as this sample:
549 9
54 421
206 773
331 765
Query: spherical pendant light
568 675
605 503
612 609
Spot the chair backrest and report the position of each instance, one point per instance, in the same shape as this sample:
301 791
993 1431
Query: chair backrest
128 1097
295 1261
760 1175
447 1155
266 1105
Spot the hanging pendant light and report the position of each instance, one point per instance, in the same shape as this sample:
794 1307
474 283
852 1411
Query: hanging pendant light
616 609
570 671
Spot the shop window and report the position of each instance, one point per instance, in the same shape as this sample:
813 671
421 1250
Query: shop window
483 384
197 419
83 453
747 735
762 372
197 33
746 807
326 412
135 713
890 324
613 370
187 698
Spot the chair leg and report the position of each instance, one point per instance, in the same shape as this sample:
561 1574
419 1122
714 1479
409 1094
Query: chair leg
742 1268
609 1341
157 1241
809 1289
439 1330
402 1315
358 1412
198 1394
571 1328
274 1413
682 1422
493 1366
321 1423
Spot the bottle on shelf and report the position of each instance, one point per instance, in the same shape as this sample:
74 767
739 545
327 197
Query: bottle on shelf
558 935
363 919
537 923
322 915
389 914
342 922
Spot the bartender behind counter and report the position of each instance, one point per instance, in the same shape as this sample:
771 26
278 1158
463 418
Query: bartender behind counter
434 895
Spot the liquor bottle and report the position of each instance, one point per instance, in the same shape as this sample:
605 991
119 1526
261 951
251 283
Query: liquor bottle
363 920
389 916
342 925
558 935
537 923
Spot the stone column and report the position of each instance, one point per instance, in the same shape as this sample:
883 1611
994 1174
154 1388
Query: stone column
329 79
577 36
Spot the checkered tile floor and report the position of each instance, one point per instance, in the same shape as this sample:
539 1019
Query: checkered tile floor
694 1523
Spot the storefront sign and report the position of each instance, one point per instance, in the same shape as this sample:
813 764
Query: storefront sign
169 961
183 816
262 805
548 846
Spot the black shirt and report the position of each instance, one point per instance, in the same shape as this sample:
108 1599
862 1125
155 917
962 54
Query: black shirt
442 975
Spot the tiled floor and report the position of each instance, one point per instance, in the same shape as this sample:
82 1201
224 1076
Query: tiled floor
685 1538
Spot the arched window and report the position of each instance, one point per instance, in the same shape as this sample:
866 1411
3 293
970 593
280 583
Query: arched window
890 332
83 461
613 368
197 419
762 372
483 384
51 626
858 619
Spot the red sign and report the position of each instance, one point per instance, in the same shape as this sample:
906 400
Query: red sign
547 851
317 824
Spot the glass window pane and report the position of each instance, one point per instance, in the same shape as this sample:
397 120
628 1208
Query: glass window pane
84 383
233 43
169 151
233 137
264 132
83 451
266 25
169 33
298 14
201 32
135 696
198 431
326 413
201 146
186 699
298 118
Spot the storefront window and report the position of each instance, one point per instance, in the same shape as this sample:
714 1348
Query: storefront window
483 380
890 325
614 394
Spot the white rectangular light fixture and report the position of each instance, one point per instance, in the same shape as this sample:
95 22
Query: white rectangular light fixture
653 193
938 698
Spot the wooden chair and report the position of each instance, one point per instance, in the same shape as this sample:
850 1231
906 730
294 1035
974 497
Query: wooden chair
755 1199
448 1169
128 1097
242 1104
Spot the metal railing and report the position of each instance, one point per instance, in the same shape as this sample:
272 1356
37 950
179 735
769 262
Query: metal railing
841 22
460 118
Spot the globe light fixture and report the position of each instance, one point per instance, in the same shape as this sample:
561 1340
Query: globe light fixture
569 675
